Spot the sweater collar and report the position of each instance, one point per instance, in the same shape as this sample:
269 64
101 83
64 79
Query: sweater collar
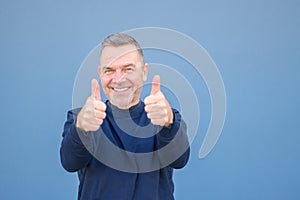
132 112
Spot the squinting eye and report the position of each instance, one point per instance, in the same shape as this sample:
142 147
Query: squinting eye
129 69
107 71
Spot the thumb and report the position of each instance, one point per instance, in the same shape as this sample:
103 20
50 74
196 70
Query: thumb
96 90
155 84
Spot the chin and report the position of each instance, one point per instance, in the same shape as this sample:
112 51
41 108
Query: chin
125 104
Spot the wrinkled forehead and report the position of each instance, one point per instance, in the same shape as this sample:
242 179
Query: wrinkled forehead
112 56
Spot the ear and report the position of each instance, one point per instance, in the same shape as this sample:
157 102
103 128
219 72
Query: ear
99 70
145 72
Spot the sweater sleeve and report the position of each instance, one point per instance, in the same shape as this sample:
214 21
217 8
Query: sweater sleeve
175 140
75 146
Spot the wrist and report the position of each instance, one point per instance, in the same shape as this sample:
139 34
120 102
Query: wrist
78 126
170 121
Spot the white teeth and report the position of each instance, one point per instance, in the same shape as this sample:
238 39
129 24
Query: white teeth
120 89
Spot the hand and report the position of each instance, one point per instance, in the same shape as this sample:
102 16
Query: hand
157 107
92 113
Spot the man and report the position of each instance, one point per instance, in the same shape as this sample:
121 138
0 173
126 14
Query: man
150 136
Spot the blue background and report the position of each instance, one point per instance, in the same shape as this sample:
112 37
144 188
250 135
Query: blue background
255 45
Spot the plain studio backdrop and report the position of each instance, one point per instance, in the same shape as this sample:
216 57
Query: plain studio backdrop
255 45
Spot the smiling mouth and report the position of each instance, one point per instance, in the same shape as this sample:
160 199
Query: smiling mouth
120 89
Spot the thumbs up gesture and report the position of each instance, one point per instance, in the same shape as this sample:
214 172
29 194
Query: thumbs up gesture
92 113
157 107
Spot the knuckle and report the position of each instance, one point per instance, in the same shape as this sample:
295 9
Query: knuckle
83 124
165 111
89 109
104 106
166 119
89 100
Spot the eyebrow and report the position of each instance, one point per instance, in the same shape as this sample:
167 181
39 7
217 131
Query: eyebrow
123 66
129 65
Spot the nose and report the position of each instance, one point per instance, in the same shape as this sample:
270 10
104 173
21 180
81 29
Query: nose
118 76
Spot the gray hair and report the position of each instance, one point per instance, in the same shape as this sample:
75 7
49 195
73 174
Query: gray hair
120 39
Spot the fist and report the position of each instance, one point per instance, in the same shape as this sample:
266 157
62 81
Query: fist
92 113
157 107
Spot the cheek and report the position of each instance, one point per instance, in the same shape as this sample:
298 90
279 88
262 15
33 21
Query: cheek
105 81
137 79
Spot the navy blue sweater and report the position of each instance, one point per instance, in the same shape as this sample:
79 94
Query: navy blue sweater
108 174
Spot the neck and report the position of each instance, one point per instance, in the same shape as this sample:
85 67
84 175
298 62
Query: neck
127 107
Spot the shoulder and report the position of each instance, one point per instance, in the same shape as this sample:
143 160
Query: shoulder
72 114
